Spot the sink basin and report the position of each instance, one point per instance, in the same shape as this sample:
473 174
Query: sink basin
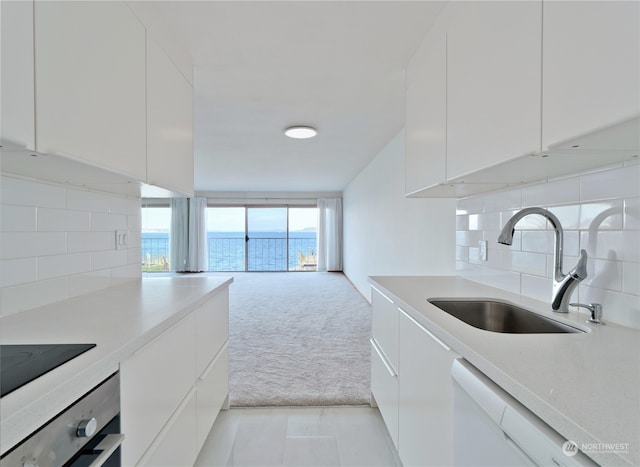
496 316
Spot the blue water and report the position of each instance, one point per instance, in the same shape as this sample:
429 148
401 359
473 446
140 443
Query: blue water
267 250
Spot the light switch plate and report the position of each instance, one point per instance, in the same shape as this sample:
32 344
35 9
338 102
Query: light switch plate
122 239
483 250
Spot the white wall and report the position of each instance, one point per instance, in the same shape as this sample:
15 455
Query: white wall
599 212
57 242
388 234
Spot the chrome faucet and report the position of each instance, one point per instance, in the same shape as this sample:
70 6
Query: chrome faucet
563 284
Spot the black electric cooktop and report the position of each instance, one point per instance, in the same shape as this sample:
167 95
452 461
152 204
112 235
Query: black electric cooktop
20 364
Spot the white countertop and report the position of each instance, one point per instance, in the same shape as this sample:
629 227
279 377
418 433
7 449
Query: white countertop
584 385
119 319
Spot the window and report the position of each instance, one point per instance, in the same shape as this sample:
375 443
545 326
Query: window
262 238
156 221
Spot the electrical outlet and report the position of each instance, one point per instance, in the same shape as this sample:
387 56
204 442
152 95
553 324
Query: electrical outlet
483 250
122 239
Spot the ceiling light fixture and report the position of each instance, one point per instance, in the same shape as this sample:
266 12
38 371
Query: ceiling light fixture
300 132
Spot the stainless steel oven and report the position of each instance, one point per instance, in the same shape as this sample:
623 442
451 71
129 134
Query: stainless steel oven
87 433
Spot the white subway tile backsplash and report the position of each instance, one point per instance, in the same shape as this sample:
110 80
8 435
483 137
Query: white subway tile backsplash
555 193
599 211
631 278
63 265
610 184
47 245
604 274
31 295
103 221
601 216
91 241
536 287
29 244
618 307
632 214
529 263
62 220
108 259
134 223
613 245
17 218
538 241
19 192
17 271
569 216
502 201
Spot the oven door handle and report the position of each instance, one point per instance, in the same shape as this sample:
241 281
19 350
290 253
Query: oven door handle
108 445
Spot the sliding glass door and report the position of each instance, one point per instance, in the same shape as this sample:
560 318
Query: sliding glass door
266 239
262 238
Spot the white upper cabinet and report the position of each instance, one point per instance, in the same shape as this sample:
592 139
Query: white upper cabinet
169 123
90 84
493 83
17 104
426 119
591 67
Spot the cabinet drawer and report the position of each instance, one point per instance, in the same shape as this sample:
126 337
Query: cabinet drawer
384 325
384 387
176 444
212 390
154 381
212 328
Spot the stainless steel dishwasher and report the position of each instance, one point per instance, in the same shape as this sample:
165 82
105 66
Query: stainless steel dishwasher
491 428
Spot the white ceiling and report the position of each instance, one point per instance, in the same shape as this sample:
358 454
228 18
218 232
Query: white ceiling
260 66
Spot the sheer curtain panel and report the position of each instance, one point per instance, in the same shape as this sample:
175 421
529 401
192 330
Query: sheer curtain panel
329 234
179 234
188 235
198 258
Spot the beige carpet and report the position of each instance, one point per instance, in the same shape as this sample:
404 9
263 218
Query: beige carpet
298 339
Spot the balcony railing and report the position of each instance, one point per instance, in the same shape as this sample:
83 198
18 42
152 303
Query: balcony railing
228 254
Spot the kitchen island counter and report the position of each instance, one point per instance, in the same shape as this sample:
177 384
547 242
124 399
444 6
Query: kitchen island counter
584 385
119 320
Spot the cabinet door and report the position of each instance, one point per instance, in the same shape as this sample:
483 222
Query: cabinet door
384 326
169 123
17 104
176 444
90 84
384 388
591 67
425 394
493 83
154 381
426 137
213 389
212 328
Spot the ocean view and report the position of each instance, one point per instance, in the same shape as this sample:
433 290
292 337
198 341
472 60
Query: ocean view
267 251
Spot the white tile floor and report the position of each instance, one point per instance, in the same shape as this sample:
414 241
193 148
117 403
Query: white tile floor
299 436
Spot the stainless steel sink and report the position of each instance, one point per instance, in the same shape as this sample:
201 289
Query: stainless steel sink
497 316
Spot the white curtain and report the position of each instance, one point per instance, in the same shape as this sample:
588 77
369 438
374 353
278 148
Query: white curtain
329 234
188 236
179 234
198 258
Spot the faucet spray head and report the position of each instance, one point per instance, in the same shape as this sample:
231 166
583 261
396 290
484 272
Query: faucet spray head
506 237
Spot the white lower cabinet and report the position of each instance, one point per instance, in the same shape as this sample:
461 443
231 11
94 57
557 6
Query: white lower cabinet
384 388
425 397
153 383
177 444
212 391
414 394
168 402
